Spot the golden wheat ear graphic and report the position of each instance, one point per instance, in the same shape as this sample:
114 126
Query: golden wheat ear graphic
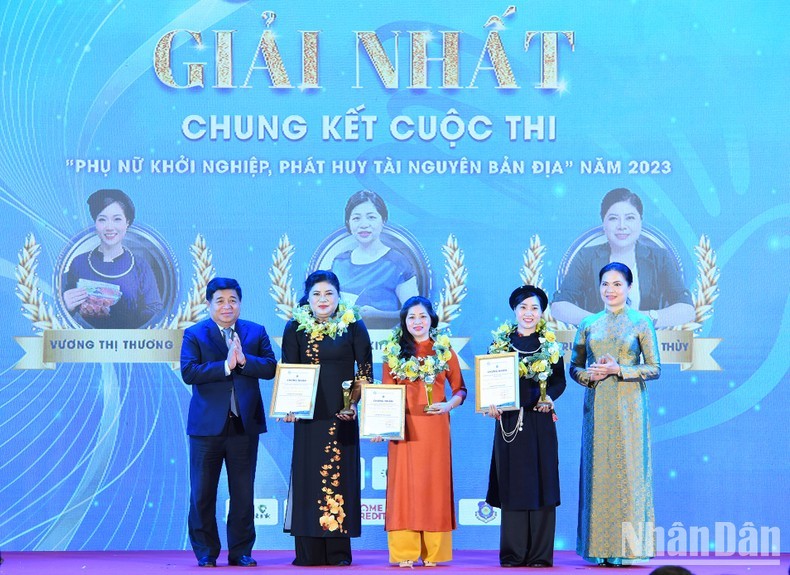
194 309
531 274
449 306
280 276
34 308
707 285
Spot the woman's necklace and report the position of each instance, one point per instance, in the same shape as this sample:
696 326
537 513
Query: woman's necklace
510 436
108 276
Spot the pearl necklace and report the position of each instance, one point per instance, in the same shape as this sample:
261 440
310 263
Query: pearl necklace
108 276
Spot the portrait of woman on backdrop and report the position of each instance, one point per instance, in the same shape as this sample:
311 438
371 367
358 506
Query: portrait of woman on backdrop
109 286
659 290
375 275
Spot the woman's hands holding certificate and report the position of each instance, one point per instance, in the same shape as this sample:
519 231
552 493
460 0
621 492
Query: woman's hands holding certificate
493 411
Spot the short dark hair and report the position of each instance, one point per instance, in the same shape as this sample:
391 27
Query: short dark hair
620 195
318 276
617 267
100 199
408 347
217 284
361 197
523 292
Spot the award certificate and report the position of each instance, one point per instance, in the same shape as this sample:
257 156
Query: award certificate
383 411
496 381
295 387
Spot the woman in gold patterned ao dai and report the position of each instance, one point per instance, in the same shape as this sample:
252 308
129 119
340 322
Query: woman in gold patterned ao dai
614 354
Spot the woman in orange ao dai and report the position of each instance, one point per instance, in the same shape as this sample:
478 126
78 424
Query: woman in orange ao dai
420 507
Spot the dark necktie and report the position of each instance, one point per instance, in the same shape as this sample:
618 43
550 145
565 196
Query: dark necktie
234 408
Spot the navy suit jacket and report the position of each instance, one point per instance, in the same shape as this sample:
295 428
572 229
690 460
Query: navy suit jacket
203 355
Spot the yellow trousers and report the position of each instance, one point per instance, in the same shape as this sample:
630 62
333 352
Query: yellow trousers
405 545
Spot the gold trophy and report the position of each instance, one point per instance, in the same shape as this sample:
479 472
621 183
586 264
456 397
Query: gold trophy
428 381
347 389
351 393
543 401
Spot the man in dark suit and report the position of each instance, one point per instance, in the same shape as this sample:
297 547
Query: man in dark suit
223 358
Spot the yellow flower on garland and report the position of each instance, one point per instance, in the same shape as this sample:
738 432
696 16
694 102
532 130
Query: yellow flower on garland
428 366
411 369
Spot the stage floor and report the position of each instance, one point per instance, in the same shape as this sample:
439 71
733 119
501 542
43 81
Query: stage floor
152 562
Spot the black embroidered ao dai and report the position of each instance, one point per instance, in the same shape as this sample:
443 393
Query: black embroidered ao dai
324 496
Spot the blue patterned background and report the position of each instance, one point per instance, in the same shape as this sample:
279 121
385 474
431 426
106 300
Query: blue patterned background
94 456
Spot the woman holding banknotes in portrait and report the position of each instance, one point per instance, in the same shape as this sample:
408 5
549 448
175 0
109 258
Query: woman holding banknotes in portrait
420 506
111 287
614 354
524 477
324 496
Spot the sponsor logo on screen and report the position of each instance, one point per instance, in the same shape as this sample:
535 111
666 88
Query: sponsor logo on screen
477 512
266 511
378 474
373 511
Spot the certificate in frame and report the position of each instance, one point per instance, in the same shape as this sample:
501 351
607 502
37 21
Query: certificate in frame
383 411
496 381
295 388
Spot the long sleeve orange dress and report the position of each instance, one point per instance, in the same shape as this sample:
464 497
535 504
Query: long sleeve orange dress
419 468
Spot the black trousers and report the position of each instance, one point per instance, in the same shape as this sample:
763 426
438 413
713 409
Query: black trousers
239 453
322 550
527 537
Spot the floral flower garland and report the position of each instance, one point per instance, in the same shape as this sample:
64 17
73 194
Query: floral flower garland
414 368
537 366
336 325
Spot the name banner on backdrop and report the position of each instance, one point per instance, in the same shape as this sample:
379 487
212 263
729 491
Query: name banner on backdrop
676 347
100 346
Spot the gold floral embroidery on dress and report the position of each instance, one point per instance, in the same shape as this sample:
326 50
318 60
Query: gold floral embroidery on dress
365 371
332 503
312 349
